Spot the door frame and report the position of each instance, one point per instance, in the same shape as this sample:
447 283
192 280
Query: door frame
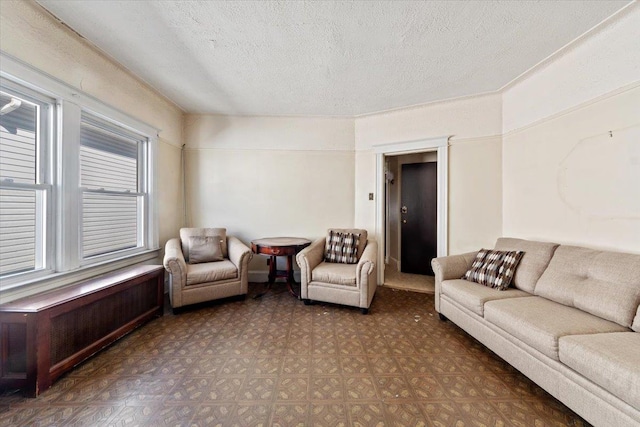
441 146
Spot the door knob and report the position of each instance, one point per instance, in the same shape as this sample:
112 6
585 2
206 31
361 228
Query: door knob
404 221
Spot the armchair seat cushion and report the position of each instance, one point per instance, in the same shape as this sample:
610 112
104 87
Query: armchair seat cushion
337 274
211 272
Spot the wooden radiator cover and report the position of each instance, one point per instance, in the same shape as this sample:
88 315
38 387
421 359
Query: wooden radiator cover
45 335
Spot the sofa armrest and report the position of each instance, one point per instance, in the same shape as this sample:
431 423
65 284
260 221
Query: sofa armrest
175 264
308 259
367 273
450 267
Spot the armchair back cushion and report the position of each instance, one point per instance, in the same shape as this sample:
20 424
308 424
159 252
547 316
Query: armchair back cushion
185 233
362 242
205 249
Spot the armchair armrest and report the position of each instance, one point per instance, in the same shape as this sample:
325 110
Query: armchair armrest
307 260
239 253
367 262
367 273
175 264
450 267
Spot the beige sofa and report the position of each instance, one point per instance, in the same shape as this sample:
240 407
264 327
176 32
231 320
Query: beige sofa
570 322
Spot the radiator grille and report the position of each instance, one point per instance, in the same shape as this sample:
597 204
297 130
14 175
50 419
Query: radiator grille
15 338
73 331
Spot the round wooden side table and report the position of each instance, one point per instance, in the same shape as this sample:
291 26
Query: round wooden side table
275 247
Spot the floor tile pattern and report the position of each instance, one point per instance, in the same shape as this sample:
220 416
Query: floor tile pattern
274 361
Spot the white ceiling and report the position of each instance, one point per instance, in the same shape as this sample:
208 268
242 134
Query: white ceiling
327 58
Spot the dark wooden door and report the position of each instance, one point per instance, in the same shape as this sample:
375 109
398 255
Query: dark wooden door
418 217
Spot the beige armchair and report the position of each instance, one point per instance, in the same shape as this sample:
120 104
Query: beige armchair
193 280
338 283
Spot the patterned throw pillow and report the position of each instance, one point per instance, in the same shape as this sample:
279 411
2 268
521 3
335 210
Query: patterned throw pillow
342 247
494 268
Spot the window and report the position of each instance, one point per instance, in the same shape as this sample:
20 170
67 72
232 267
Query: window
76 184
113 192
24 190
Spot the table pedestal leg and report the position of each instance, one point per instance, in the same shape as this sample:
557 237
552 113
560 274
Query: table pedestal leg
290 279
273 263
271 278
274 274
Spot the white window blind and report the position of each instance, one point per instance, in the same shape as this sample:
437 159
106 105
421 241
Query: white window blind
22 195
112 197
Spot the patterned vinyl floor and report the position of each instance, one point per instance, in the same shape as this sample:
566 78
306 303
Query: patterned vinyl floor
274 361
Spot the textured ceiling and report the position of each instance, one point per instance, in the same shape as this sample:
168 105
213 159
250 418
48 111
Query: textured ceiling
327 58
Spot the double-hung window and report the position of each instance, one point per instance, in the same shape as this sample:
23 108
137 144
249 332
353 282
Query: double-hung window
25 188
76 184
113 186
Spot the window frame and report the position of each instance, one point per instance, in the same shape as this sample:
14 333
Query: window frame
64 261
43 185
142 192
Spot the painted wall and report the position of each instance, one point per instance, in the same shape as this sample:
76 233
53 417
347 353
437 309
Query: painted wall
270 176
32 35
565 178
603 61
475 176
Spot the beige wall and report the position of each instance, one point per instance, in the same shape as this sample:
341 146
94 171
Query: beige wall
270 176
33 36
263 176
603 61
475 176
565 179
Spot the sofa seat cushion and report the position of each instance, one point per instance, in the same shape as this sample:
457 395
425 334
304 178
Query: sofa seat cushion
610 360
472 296
211 272
337 274
540 323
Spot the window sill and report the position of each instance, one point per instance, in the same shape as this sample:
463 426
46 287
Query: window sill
56 280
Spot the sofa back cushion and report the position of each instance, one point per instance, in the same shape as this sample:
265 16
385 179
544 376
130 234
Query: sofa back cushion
605 284
636 321
533 263
185 233
362 242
